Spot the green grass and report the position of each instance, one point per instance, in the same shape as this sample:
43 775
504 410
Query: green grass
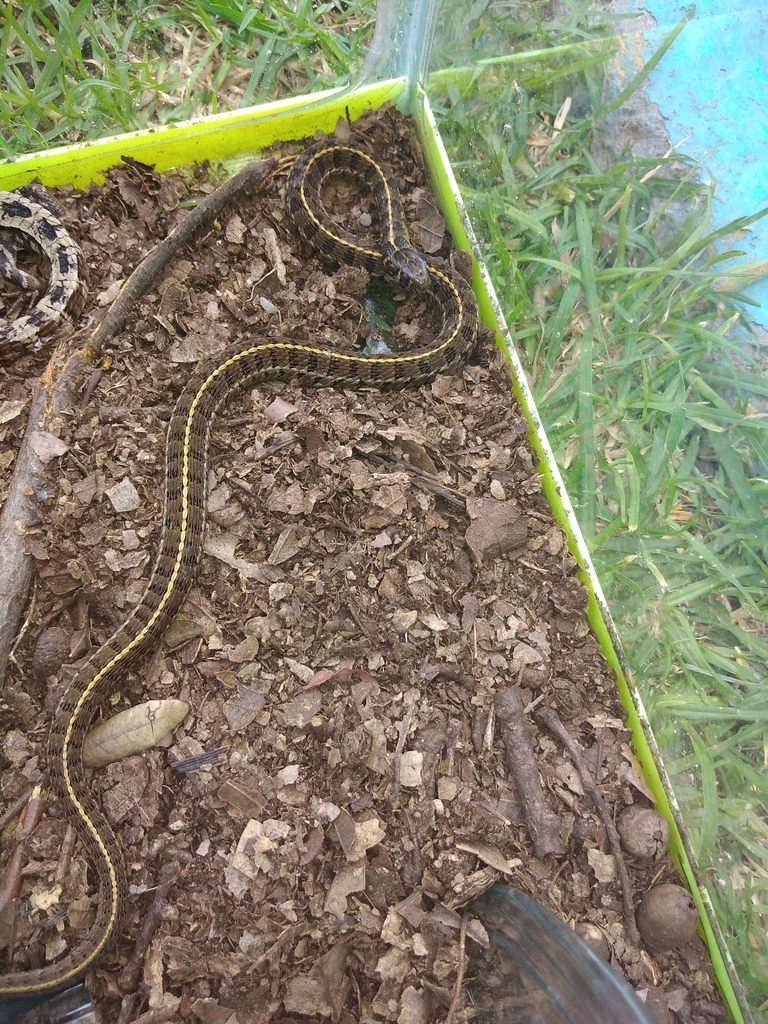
628 320
633 339
76 71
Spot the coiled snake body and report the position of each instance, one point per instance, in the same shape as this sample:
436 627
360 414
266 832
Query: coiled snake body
66 291
248 363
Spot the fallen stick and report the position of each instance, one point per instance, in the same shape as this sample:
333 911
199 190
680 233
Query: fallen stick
55 395
550 718
169 872
543 824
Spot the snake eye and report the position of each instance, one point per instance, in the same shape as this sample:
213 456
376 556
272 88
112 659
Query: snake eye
406 265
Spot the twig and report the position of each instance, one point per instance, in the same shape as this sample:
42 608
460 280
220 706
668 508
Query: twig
461 966
129 976
599 755
550 718
405 725
65 856
127 1008
448 671
543 823
56 392
10 881
413 877
14 808
90 387
289 934
366 630
253 174
19 513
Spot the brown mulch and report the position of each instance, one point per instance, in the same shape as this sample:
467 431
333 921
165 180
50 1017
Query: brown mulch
383 580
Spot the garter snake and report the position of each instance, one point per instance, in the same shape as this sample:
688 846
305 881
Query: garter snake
248 363
66 291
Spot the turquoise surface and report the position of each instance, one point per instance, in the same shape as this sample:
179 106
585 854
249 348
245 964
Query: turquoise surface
712 89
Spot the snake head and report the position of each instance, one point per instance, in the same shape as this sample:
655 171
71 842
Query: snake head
406 265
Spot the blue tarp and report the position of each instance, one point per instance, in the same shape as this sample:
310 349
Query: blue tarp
712 89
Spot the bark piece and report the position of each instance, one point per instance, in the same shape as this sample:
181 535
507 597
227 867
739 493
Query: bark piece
543 823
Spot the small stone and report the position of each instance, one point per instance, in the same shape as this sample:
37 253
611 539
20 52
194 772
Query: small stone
288 776
123 496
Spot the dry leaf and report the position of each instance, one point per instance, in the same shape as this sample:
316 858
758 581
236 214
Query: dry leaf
429 229
490 855
601 721
344 826
10 410
222 546
414 1006
241 709
602 864
343 674
570 777
350 879
288 499
197 345
108 295
272 251
246 797
497 527
324 989
402 620
633 772
46 446
235 229
132 731
279 410
300 711
258 842
434 622
411 764
368 833
286 546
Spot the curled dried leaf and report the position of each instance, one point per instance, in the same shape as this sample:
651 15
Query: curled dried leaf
132 731
490 855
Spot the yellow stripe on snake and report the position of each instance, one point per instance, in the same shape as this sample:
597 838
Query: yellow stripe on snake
246 364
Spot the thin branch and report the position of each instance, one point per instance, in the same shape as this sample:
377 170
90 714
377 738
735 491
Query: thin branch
461 967
55 396
543 824
550 718
147 272
169 872
405 726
